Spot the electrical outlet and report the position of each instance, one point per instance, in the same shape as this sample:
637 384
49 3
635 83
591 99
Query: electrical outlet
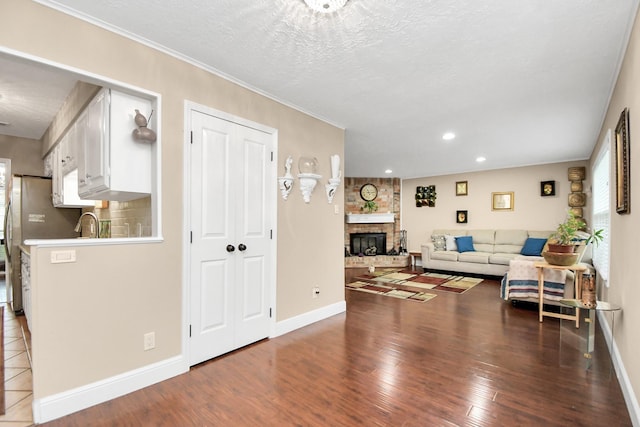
315 291
149 341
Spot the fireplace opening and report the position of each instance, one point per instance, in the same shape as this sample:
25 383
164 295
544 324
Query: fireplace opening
368 243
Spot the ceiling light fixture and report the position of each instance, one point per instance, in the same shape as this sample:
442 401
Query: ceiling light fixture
388 171
325 6
480 159
448 136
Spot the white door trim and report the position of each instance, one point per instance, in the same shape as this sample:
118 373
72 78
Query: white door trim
190 106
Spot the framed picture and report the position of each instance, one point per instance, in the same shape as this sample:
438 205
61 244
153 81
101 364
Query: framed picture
461 188
547 188
502 201
461 217
622 152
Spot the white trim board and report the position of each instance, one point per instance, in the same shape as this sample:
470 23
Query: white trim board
630 397
58 405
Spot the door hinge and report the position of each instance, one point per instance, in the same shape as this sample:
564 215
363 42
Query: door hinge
189 331
270 312
191 137
191 237
271 234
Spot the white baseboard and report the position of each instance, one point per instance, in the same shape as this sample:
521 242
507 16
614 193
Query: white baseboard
625 383
308 318
65 403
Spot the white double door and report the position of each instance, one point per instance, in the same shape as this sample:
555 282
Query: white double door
230 254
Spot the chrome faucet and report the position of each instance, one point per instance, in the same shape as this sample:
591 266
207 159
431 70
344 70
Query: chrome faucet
95 218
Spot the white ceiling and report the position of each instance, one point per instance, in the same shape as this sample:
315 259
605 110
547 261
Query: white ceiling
519 82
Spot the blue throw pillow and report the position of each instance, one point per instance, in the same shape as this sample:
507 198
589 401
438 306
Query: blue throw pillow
533 246
465 244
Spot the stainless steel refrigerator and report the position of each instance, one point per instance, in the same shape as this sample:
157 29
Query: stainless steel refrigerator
30 214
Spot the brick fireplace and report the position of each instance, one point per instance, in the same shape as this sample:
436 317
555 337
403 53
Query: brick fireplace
388 201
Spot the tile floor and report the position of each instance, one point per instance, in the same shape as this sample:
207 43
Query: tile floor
17 371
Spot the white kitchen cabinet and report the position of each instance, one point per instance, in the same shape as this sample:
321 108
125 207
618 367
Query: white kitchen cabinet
25 271
69 147
112 165
64 191
48 164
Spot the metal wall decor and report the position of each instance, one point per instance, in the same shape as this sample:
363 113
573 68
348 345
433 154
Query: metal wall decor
577 199
622 155
426 196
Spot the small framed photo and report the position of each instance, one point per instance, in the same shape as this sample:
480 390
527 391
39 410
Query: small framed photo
502 201
461 188
547 188
462 217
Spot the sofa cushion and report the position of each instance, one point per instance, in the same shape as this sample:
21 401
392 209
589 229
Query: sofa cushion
450 242
483 240
445 256
510 241
439 242
465 244
475 257
502 258
533 246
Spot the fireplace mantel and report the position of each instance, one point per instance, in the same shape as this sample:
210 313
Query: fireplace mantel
371 218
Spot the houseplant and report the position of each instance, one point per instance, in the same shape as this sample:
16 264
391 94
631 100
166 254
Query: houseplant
568 235
370 206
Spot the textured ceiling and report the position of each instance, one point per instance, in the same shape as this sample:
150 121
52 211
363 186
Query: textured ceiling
519 82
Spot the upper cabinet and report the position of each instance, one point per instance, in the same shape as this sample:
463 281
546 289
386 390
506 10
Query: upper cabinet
112 165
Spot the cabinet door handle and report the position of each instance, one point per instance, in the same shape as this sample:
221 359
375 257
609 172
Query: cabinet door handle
242 247
231 248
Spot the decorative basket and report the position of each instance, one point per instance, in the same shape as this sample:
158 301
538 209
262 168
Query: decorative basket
557 258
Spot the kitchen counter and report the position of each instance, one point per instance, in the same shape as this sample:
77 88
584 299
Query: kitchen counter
25 248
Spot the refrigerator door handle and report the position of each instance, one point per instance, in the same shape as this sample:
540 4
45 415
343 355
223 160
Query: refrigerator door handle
7 232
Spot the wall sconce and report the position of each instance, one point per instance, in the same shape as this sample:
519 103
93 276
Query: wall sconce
308 177
286 182
334 181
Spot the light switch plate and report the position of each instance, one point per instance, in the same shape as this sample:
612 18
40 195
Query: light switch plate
59 257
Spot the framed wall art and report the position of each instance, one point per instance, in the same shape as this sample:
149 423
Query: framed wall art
462 217
547 188
461 188
502 201
622 153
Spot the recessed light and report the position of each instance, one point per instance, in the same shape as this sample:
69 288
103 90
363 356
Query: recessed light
448 136
480 159
388 171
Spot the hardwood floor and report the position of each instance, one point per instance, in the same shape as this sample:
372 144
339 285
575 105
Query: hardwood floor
457 360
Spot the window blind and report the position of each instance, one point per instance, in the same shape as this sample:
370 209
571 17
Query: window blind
602 207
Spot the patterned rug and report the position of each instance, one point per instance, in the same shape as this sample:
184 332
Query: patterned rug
410 284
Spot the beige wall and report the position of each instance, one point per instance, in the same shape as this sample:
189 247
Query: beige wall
531 211
25 154
624 286
112 295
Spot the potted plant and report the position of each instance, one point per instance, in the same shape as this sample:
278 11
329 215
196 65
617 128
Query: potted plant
569 234
370 206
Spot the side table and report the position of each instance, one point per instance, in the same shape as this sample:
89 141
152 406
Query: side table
577 283
600 306
414 257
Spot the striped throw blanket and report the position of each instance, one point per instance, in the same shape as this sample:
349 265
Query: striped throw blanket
521 282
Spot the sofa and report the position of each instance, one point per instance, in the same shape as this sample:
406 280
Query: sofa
491 254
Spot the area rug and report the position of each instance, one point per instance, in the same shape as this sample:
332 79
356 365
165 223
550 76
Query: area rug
397 291
415 279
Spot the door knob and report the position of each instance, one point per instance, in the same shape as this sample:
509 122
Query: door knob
242 247
231 248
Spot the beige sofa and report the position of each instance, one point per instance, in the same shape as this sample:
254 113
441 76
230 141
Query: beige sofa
494 249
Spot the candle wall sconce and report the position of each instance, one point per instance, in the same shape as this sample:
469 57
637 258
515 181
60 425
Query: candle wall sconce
308 177
286 182
334 181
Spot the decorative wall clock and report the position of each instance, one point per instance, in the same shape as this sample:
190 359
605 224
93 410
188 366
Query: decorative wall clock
368 192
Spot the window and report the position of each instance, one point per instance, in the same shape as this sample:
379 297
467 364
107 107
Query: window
602 207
